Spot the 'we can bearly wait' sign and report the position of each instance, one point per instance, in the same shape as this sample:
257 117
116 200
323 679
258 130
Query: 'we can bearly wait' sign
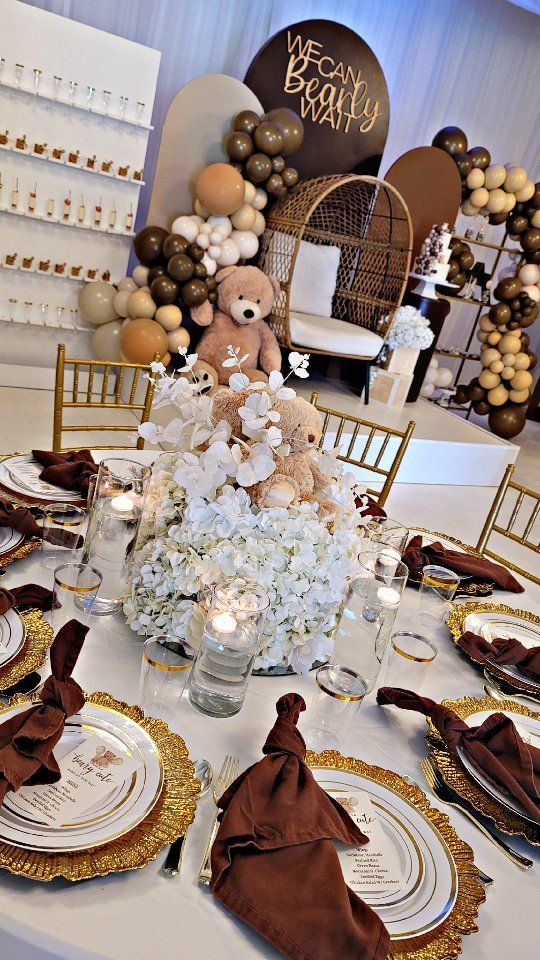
333 80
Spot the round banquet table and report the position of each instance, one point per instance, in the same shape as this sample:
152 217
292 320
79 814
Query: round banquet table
145 913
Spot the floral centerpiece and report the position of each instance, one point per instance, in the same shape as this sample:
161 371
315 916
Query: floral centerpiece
409 333
205 517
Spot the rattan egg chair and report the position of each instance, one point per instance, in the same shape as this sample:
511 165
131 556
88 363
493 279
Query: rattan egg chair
340 246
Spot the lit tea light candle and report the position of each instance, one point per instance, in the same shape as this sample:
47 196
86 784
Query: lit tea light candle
389 556
122 503
388 596
224 623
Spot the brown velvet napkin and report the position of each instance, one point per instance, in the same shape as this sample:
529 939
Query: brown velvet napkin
368 506
494 747
27 740
25 597
418 555
19 519
274 863
71 471
503 651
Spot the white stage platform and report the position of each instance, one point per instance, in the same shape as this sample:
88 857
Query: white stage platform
444 449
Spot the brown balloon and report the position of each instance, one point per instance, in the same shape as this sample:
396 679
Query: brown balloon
258 168
200 271
500 313
195 252
291 128
212 296
530 239
507 288
246 121
239 145
148 243
274 184
194 292
181 267
533 358
174 243
450 139
460 279
461 395
457 246
476 392
466 260
211 283
480 157
159 270
497 218
517 223
290 177
164 290
507 421
268 138
464 164
525 341
278 164
532 256
453 269
482 407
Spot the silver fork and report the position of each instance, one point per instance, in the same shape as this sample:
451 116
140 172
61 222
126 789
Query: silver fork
228 773
448 795
499 691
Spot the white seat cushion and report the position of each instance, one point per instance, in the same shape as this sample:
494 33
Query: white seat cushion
333 336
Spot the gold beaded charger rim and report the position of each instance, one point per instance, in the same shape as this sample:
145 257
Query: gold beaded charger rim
457 777
456 617
168 819
444 942
33 653
22 549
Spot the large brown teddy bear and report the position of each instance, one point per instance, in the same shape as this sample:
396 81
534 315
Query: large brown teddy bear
245 297
297 476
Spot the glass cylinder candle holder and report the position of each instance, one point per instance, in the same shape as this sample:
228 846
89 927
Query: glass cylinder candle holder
113 528
229 645
386 530
369 611
19 67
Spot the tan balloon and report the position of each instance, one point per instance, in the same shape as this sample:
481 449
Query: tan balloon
476 178
496 202
535 219
516 178
106 341
166 359
249 192
509 344
169 316
523 361
521 380
178 339
509 359
128 283
509 203
244 218
495 176
489 356
519 396
96 302
497 396
482 336
494 337
120 301
488 380
496 366
468 210
140 275
259 224
479 197
507 372
141 339
486 324
526 192
141 305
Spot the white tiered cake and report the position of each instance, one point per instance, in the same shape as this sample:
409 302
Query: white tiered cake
432 261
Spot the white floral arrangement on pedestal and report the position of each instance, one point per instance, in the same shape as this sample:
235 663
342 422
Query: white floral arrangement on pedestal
409 329
200 524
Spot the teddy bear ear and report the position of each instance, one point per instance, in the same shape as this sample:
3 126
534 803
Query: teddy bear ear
276 286
224 273
203 314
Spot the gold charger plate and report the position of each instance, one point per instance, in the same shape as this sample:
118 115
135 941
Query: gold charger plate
19 499
168 819
457 777
444 942
21 550
455 623
33 653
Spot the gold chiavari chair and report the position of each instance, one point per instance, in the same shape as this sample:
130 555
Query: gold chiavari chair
518 518
89 396
377 438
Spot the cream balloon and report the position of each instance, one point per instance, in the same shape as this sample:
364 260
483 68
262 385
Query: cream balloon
493 338
479 197
495 176
261 199
526 192
529 273
169 316
488 380
96 302
244 217
482 336
516 178
166 359
230 253
250 192
178 339
106 341
443 377
468 210
185 227
519 396
476 178
427 389
120 302
535 219
200 210
140 275
509 359
141 306
497 396
532 291
523 361
259 224
497 201
489 356
210 264
507 373
509 344
222 224
509 203
203 240
521 380
497 366
128 283
205 228
246 242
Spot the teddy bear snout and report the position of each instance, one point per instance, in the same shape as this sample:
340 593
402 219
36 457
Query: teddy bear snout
245 311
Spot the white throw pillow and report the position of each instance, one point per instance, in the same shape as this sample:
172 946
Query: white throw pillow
314 279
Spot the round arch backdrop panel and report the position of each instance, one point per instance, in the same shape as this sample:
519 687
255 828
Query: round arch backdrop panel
197 120
429 182
333 80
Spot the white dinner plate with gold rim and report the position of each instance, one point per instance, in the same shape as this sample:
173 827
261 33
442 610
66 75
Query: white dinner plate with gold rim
12 635
491 624
20 474
528 729
9 539
114 815
430 879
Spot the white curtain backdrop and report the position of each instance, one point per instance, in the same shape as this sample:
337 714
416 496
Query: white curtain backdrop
472 63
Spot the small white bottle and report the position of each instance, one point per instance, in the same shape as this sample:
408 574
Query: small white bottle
112 218
50 207
81 212
15 196
98 210
32 198
129 219
67 206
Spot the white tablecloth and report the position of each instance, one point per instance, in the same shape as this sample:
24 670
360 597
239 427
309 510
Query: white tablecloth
145 914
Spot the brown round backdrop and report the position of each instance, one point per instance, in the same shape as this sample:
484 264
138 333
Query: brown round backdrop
428 180
334 82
